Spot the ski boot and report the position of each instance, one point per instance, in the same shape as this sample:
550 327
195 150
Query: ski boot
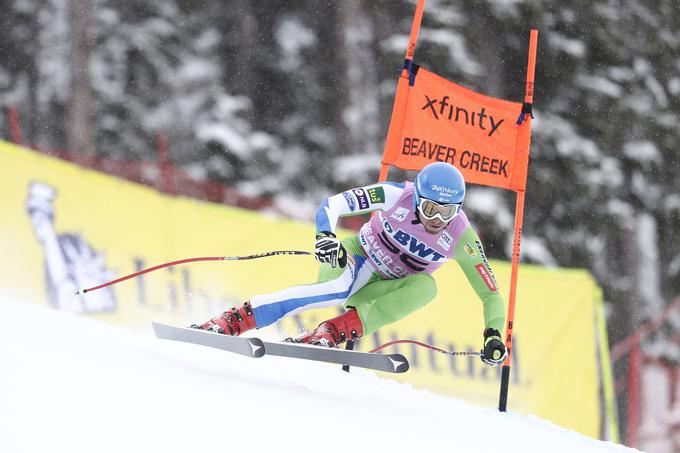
331 333
232 322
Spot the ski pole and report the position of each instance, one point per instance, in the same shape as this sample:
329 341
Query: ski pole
425 345
192 260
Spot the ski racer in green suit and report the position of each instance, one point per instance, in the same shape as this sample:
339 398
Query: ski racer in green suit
383 273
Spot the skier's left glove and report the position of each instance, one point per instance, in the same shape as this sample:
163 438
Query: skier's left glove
494 352
328 249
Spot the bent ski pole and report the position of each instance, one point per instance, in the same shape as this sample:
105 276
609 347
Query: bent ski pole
192 260
425 345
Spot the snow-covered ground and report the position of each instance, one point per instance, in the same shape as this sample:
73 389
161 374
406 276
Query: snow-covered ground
72 384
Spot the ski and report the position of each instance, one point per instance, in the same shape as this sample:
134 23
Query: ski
254 347
391 363
251 347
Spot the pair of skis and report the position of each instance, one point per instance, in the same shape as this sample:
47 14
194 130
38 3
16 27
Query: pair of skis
254 347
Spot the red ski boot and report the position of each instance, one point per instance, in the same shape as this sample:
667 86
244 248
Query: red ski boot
231 322
331 333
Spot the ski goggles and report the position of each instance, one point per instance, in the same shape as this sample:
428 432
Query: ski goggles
431 210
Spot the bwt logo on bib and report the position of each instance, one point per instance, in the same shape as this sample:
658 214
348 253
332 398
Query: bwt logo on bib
412 243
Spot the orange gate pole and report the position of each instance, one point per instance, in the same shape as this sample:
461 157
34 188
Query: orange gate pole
415 29
410 52
519 214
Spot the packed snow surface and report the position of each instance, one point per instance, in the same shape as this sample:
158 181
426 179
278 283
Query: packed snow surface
72 384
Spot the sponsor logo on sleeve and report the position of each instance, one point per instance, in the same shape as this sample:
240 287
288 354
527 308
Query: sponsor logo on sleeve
484 260
470 251
350 201
376 195
361 198
445 241
400 214
486 276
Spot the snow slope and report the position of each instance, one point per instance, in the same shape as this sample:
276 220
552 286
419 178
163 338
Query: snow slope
72 384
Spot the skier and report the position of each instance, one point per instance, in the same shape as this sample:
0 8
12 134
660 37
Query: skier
382 274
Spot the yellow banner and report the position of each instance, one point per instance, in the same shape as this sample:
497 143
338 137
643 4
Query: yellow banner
64 228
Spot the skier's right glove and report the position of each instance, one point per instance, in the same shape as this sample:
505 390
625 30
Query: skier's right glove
328 249
494 352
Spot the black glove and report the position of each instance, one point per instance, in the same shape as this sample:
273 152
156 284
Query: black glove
494 352
328 249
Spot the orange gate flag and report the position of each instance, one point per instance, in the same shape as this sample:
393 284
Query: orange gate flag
434 119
